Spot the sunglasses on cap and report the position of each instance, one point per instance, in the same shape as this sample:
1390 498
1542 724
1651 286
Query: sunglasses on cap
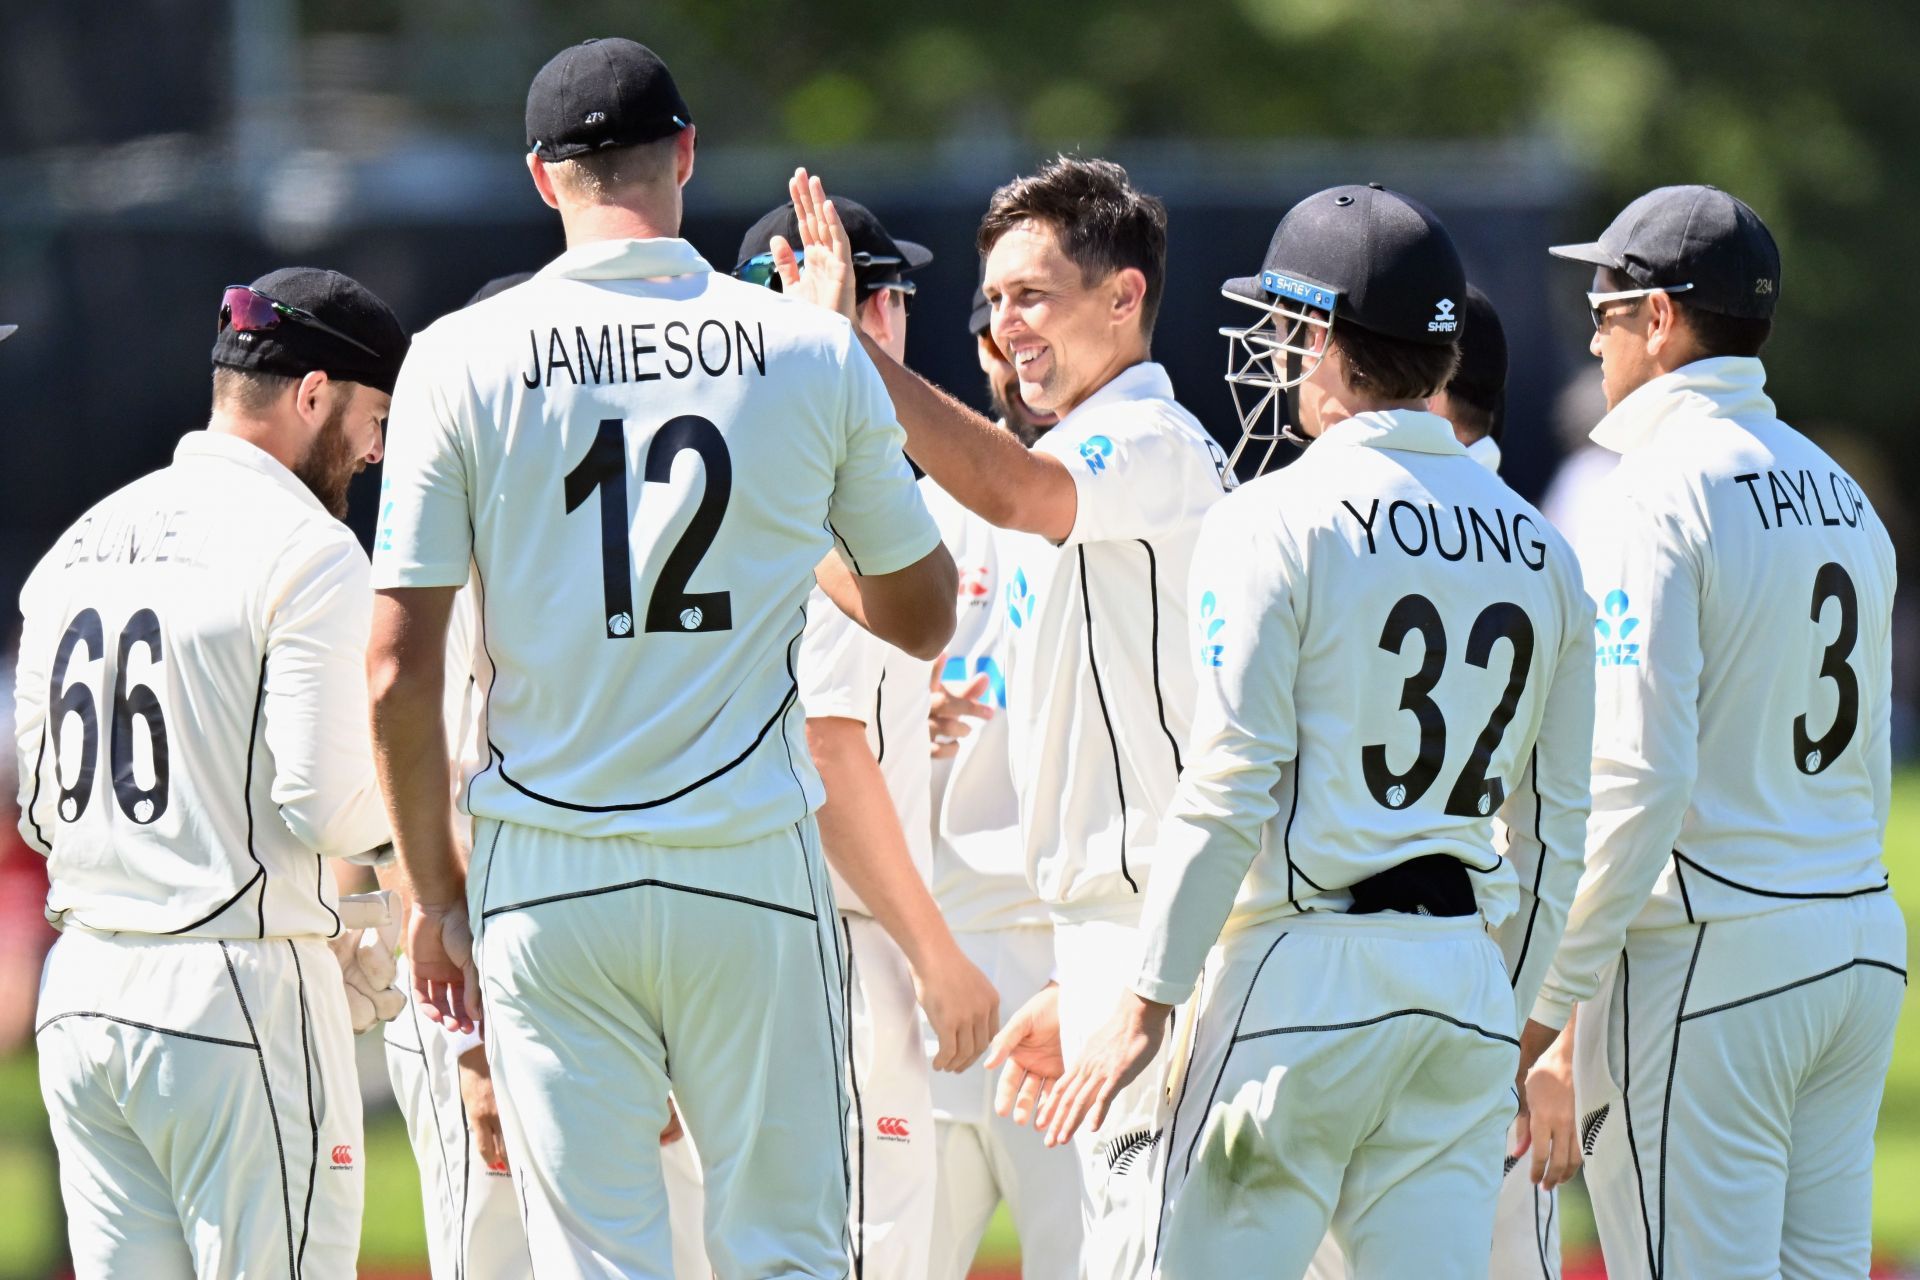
759 269
245 309
905 288
1596 301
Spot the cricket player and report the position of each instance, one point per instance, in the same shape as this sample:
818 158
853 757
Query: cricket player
190 713
1099 520
866 704
642 461
1393 649
980 881
1526 1231
1737 958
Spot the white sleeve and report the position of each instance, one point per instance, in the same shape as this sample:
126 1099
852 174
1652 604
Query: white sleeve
1879 744
1133 476
1244 733
877 517
839 665
424 537
30 725
314 709
1646 737
1546 838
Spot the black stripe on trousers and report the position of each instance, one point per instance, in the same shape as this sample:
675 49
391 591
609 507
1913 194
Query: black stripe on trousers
313 1111
280 1146
857 1219
1666 1105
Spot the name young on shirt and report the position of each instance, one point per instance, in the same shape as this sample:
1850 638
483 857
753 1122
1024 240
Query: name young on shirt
614 353
1454 534
1797 494
144 537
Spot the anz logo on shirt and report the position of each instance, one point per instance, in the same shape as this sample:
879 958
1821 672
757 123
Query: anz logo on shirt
1094 451
984 664
1209 628
1611 647
1019 598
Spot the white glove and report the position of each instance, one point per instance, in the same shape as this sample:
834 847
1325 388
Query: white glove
365 949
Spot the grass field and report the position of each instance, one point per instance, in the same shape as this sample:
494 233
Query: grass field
395 1246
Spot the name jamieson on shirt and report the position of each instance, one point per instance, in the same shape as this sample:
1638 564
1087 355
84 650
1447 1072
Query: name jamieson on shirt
633 353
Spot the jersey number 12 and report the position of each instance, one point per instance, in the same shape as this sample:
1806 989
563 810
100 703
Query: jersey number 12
671 607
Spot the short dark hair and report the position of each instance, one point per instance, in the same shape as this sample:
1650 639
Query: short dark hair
1476 420
1104 224
249 390
1393 368
599 174
1720 334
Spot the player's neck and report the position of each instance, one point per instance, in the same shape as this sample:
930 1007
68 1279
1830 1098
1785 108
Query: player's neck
271 438
592 223
1335 409
1124 357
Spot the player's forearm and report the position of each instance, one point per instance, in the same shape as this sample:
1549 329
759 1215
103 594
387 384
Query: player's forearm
861 836
984 468
406 671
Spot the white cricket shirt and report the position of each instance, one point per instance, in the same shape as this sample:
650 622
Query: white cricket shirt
644 460
848 672
1393 647
1101 694
1743 663
979 859
191 704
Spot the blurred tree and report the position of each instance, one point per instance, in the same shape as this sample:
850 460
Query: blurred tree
1804 110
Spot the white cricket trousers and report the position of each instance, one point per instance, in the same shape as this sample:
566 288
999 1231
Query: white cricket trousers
1526 1232
204 1106
985 1158
471 1214
891 1127
1728 1112
1119 1172
615 970
1347 1072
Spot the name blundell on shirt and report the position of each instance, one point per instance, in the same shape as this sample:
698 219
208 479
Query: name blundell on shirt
596 355
1452 532
166 536
1797 494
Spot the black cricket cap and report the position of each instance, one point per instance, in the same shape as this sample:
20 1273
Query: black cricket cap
294 349
982 318
865 234
602 93
1481 379
1695 235
1370 256
499 284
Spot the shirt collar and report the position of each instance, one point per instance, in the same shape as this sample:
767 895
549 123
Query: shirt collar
1719 387
1486 452
1414 430
227 447
627 260
1143 381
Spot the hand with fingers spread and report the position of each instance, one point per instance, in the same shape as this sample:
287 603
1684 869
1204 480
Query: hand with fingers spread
961 1005
440 952
1113 1060
1549 1123
483 1109
1029 1045
948 712
822 271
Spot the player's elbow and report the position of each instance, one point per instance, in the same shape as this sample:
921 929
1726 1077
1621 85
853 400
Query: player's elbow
913 609
398 687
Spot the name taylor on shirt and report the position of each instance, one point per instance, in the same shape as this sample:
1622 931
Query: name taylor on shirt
1454 534
614 353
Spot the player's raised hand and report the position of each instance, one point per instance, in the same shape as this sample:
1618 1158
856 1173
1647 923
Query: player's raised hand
1117 1054
440 952
1029 1045
948 712
823 272
961 1005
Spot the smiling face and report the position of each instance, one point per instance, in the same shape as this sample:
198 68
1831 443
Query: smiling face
1003 388
1066 336
348 440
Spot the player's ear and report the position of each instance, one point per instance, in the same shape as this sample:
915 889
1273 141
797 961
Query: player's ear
1663 322
1129 294
684 147
313 398
542 180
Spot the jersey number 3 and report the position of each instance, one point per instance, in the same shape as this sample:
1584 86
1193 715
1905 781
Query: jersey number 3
604 471
1812 755
1473 794
141 804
